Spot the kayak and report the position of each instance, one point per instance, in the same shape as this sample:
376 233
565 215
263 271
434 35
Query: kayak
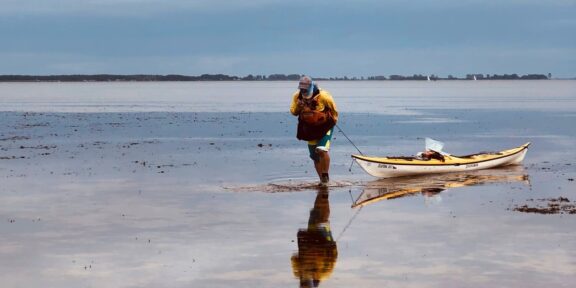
388 167
431 185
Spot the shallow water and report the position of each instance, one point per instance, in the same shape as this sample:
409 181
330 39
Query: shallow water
120 191
382 97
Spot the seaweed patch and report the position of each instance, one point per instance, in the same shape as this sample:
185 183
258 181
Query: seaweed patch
560 205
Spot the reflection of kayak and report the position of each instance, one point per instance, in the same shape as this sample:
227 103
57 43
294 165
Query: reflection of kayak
429 185
386 167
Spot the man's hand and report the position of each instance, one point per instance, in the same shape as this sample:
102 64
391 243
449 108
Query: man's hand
300 104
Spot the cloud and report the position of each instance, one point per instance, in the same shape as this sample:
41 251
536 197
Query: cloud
327 38
147 7
125 7
442 61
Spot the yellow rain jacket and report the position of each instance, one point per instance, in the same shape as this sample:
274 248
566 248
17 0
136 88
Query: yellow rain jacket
324 99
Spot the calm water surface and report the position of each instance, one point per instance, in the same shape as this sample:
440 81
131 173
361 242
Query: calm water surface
204 185
386 97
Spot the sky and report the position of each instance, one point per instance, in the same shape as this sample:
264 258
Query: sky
322 38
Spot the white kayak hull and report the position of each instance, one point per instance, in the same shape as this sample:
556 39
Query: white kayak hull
383 169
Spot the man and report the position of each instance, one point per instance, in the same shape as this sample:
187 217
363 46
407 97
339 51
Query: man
317 115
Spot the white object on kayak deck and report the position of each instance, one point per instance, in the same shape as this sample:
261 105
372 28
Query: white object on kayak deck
434 145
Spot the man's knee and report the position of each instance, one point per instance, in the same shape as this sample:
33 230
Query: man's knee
321 153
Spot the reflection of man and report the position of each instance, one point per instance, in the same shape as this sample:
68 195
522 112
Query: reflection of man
317 251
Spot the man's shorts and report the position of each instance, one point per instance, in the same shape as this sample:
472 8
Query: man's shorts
322 144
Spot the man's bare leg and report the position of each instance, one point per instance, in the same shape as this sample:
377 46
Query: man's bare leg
323 164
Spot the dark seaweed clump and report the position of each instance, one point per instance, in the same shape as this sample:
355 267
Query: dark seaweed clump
560 205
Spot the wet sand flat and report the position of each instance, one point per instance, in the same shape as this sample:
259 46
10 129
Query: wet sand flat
227 199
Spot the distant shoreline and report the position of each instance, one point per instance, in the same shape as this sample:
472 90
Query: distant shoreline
272 77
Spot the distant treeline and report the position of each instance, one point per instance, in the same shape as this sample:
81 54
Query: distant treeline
112 77
468 77
272 77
